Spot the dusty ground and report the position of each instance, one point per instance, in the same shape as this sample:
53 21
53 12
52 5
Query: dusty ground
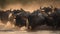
24 32
11 29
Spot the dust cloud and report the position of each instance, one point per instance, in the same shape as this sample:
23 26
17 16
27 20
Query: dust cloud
30 5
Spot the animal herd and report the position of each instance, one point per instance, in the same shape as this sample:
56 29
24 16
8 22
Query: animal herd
46 15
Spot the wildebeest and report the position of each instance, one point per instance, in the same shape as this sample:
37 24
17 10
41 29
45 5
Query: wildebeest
43 17
57 12
21 18
36 19
4 16
50 19
53 19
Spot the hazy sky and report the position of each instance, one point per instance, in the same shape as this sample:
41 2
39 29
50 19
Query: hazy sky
27 4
